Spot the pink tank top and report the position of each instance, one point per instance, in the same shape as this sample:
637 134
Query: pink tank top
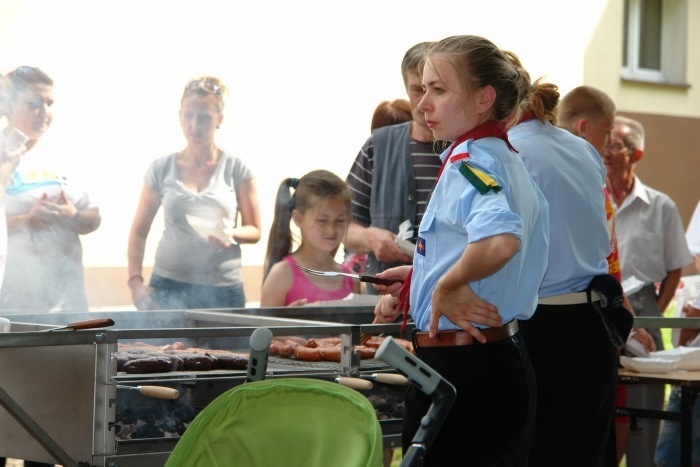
302 287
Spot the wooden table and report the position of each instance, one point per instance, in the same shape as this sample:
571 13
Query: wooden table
689 382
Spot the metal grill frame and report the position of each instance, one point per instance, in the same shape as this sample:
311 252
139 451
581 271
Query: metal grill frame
90 352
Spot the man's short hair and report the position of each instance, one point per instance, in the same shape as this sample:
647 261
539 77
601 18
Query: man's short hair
413 60
584 102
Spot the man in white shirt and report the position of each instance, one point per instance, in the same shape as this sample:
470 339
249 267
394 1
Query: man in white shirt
653 250
692 235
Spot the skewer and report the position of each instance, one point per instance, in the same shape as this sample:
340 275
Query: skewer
364 338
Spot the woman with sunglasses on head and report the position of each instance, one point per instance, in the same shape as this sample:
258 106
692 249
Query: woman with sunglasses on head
46 213
210 207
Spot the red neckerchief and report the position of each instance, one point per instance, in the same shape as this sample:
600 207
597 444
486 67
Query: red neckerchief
490 129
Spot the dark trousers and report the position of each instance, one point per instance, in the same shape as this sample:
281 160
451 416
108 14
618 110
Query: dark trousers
644 432
576 368
492 420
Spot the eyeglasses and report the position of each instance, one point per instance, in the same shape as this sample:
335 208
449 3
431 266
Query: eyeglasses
617 147
204 85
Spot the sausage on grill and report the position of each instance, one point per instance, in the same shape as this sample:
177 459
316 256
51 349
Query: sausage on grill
148 365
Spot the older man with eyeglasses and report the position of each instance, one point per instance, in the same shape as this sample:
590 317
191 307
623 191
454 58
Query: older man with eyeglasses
653 250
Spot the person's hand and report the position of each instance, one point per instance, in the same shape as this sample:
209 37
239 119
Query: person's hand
299 302
141 295
689 334
386 311
643 336
61 208
41 213
10 159
399 272
217 244
462 307
384 247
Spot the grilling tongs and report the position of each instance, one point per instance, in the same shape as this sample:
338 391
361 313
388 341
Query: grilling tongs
360 277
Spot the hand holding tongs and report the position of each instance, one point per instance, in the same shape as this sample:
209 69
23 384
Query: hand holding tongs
360 277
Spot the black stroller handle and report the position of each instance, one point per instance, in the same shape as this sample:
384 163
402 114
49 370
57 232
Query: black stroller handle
429 382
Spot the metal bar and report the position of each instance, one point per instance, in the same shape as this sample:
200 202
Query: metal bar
663 322
35 430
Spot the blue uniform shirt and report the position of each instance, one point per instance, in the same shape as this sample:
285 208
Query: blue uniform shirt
459 214
571 175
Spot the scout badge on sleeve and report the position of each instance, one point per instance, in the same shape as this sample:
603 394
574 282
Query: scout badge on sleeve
482 181
616 318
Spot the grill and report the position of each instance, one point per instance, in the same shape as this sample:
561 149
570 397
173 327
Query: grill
63 385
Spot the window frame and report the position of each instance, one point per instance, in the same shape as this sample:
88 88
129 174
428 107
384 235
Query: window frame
673 60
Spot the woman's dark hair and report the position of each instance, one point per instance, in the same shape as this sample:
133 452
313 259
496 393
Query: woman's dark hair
308 190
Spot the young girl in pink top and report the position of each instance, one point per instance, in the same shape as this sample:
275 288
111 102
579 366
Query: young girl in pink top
320 208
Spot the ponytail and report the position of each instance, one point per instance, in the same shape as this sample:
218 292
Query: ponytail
279 242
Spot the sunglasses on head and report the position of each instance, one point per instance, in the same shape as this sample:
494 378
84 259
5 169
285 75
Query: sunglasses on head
204 85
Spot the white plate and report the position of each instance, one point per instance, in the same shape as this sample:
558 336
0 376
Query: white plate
648 365
206 228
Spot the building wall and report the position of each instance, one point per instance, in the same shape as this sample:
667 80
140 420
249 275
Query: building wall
603 63
671 161
670 114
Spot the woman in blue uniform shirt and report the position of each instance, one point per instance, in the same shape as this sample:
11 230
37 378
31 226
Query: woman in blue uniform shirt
480 258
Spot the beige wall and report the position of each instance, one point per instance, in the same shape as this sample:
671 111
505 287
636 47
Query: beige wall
670 114
602 64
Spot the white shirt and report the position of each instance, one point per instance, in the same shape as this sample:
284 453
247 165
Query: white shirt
650 236
692 235
3 220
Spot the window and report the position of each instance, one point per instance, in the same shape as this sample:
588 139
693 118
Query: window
654 41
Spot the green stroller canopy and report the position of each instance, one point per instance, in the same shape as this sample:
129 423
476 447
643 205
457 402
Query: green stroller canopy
283 422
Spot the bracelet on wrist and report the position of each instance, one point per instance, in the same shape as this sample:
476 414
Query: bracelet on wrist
135 276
